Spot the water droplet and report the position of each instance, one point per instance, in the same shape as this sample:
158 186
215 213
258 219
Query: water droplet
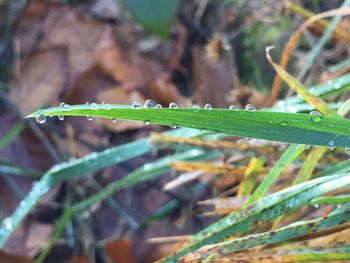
150 104
331 145
250 107
284 123
90 118
307 146
93 106
208 106
316 206
337 85
172 105
65 107
106 106
233 107
249 139
196 108
60 117
87 103
136 105
228 221
282 144
8 224
146 122
316 116
159 106
40 118
114 119
173 126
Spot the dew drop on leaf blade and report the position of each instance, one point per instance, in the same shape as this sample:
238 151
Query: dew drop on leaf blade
40 118
250 107
136 105
208 106
150 104
196 108
315 116
172 105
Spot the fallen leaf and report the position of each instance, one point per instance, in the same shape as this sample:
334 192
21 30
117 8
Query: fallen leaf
120 251
125 64
37 85
212 80
165 92
29 238
9 258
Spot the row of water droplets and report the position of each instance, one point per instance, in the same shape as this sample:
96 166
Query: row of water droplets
135 105
315 116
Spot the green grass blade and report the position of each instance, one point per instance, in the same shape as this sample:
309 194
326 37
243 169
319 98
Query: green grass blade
338 199
266 209
276 126
294 230
8 137
146 172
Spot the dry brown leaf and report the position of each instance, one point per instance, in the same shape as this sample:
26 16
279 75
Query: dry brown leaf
66 28
9 258
125 65
164 91
29 239
211 81
341 31
37 85
120 251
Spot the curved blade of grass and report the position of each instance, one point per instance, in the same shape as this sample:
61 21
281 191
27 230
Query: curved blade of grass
294 230
146 172
266 209
8 137
277 126
296 85
88 164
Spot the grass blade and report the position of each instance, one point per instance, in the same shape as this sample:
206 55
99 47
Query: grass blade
277 126
266 209
294 230
88 164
